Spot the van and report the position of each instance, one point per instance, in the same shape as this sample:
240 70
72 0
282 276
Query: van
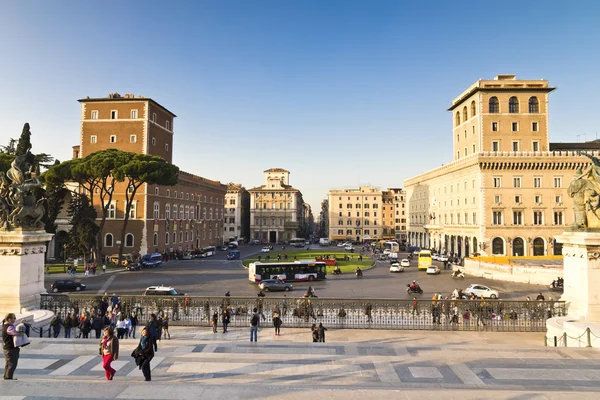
324 241
152 260
233 255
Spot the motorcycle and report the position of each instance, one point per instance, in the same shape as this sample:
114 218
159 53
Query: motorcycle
458 275
337 271
359 274
557 286
410 290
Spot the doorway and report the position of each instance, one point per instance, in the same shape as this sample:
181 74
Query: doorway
518 247
538 247
272 236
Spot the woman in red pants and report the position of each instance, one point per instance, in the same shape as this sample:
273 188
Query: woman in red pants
109 350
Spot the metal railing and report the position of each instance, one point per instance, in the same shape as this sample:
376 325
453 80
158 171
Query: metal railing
463 315
561 341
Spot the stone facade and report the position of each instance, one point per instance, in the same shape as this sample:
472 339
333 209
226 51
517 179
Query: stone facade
237 213
186 216
355 214
276 209
504 193
394 214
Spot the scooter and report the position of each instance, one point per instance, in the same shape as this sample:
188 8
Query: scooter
556 286
458 275
410 290
359 274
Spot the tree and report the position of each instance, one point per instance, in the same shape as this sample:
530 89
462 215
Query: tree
84 230
141 169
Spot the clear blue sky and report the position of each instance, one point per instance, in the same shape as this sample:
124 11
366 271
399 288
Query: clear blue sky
340 93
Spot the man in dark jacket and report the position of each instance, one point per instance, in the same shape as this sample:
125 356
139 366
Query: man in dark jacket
97 325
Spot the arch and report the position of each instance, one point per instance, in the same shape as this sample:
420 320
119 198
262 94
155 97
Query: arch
155 240
473 109
498 246
513 105
180 236
538 247
459 246
465 116
467 247
174 237
534 105
518 247
475 248
167 238
557 248
457 118
108 240
129 240
494 106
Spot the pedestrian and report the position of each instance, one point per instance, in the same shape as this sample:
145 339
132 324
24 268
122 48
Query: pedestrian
152 326
254 325
159 325
67 324
74 325
121 328
284 305
85 327
11 352
322 330
145 351
104 268
415 307
165 327
109 350
127 326
315 333
214 321
134 323
277 323
225 319
56 323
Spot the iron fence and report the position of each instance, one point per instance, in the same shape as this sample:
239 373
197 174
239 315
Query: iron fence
461 315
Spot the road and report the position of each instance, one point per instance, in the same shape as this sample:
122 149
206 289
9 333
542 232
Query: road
215 276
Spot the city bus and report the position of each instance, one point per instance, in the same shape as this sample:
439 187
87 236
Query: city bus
424 258
291 271
297 242
392 247
207 251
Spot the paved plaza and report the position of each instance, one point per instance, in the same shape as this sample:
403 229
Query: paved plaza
361 364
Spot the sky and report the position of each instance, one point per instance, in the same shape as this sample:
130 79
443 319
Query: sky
339 93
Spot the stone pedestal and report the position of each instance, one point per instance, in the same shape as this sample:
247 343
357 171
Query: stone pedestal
22 270
581 251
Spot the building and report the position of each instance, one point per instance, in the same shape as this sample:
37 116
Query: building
237 213
355 214
505 192
276 208
182 217
394 214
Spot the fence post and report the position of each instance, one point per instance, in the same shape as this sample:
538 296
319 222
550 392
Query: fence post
555 341
546 341
589 337
41 331
565 339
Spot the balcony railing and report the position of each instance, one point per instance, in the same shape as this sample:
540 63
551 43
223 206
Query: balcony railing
463 315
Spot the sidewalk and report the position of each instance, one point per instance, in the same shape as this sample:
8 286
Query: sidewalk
81 275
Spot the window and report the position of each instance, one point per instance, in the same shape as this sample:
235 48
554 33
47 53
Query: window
167 211
166 147
473 110
538 218
114 114
181 212
466 153
558 218
537 182
458 154
558 199
513 105
535 146
167 238
538 199
93 138
557 182
457 118
473 148
167 125
132 209
156 212
497 199
493 105
515 127
181 236
465 116
534 126
168 192
534 105
153 117
153 141
112 211
113 138
94 114
495 146
515 146
497 182
156 191
517 182
108 240
132 139
497 218
494 126
134 114
129 240
517 218
517 199
155 241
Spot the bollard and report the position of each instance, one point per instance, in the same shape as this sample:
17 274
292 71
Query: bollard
565 339
41 331
555 341
546 341
589 337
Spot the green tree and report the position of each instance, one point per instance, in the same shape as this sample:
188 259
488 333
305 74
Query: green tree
142 169
84 230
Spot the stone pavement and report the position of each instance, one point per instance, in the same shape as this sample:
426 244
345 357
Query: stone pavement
361 364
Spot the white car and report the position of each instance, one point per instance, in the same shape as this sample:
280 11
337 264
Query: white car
433 270
405 263
442 258
348 247
481 290
341 244
265 250
395 267
435 257
387 252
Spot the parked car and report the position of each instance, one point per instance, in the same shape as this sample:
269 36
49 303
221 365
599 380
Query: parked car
255 241
66 285
481 290
274 285
161 291
265 249
344 244
187 256
405 263
395 267
433 270
442 258
233 245
233 255
224 247
133 267
349 247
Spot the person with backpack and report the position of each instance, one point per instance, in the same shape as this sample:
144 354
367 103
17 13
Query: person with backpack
254 325
277 323
55 323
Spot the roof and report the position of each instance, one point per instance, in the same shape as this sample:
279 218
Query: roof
593 145
276 170
118 98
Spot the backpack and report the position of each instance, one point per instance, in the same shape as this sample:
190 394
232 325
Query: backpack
254 320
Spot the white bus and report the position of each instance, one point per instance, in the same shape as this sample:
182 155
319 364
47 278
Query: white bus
391 247
290 271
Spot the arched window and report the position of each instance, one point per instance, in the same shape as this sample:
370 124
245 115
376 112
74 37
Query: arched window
210 214
465 116
518 247
129 240
494 107
534 105
457 118
155 239
167 211
513 105
539 248
186 236
187 212
174 237
167 238
108 240
181 211
180 236
473 109
156 210
204 213
174 211
497 246
192 213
